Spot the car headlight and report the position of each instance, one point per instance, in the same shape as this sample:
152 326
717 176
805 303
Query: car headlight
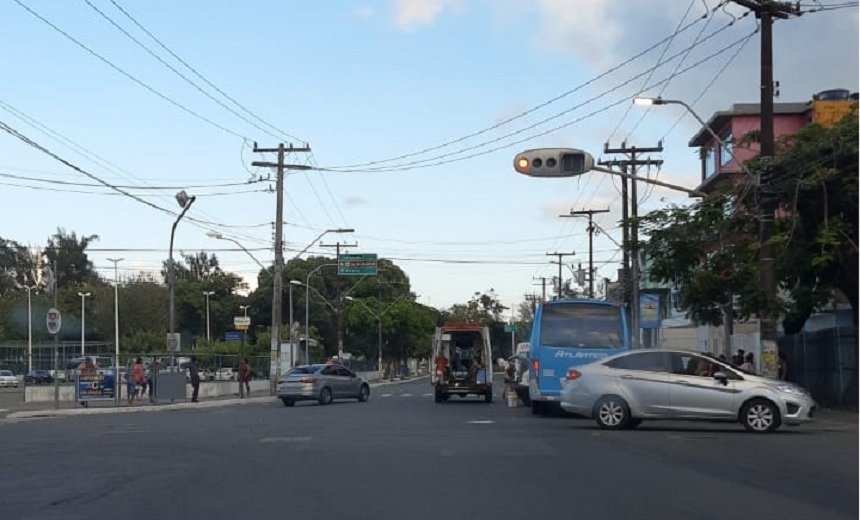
791 389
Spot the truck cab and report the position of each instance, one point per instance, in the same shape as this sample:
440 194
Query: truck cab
462 361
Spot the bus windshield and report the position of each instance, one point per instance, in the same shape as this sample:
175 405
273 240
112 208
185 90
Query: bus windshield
581 326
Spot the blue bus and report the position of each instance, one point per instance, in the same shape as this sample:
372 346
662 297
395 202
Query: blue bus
566 334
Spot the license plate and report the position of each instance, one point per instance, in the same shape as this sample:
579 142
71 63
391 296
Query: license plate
549 372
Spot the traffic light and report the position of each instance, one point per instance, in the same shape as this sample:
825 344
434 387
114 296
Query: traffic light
553 162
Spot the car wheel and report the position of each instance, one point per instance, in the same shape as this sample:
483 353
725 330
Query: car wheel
760 416
325 396
364 393
612 413
288 402
488 397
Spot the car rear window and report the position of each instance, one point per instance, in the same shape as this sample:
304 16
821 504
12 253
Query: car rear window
303 370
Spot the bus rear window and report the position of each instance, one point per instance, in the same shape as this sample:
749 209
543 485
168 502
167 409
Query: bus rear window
581 326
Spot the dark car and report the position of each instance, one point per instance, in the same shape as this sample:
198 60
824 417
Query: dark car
36 377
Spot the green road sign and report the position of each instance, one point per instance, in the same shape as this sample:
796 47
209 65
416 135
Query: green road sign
357 265
510 327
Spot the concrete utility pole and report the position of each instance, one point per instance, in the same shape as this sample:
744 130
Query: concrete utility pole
591 229
337 247
543 280
560 263
632 242
278 280
766 11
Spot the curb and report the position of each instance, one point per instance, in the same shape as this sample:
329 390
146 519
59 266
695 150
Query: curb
49 413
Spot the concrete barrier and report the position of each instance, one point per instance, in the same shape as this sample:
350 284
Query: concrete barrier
45 393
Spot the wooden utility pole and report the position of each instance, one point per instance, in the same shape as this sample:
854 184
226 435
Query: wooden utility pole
278 280
633 162
766 11
543 280
591 229
560 263
339 325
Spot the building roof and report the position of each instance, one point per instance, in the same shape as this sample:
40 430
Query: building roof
719 119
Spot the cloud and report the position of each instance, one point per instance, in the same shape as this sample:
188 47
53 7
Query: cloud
354 201
411 14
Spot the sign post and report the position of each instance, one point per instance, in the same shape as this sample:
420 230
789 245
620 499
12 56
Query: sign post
54 322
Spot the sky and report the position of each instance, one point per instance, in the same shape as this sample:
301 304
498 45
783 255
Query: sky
413 110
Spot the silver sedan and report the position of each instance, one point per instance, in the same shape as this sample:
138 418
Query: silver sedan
322 383
622 390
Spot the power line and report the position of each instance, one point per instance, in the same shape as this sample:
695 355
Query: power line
199 75
526 112
120 70
130 186
421 163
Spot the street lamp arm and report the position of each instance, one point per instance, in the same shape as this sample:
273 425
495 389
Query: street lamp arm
314 241
323 297
695 193
390 305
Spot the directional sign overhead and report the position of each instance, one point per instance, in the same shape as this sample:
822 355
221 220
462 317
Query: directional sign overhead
357 265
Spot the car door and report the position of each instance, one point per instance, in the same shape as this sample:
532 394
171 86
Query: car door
330 379
695 393
348 380
643 379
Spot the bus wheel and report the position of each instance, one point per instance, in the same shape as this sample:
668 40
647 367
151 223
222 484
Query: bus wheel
538 408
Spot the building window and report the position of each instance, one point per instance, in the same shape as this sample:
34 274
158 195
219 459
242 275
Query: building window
726 148
709 162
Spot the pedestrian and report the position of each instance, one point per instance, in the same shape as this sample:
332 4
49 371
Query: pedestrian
138 374
195 378
86 368
782 369
749 363
244 378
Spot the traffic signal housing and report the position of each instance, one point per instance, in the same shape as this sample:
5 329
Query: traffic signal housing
553 162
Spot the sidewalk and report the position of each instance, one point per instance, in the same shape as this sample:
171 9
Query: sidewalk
22 410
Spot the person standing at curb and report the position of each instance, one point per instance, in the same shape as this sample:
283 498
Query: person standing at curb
194 375
138 375
244 378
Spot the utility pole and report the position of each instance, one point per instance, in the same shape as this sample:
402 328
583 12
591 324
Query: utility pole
591 229
278 280
543 280
560 263
337 247
766 11
633 243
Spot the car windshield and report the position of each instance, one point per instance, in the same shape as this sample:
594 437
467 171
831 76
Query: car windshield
727 366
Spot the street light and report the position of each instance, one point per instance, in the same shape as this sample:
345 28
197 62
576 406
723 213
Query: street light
647 102
83 319
308 298
207 294
116 262
379 324
245 310
185 203
29 288
292 341
327 231
219 236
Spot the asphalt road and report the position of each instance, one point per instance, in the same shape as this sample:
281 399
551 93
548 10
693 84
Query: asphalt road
401 456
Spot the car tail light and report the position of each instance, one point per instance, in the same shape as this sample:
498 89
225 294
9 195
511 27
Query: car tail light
536 368
572 375
308 380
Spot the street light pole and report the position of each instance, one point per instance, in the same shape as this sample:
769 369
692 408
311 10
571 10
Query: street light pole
116 262
207 294
379 324
185 203
83 320
29 325
292 340
307 304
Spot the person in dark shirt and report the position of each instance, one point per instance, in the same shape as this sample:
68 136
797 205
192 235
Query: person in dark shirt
194 375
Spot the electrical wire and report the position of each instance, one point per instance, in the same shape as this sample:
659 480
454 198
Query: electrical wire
129 186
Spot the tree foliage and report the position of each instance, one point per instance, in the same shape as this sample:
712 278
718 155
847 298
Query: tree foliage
710 248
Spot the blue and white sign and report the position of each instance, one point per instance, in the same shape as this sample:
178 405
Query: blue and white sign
649 311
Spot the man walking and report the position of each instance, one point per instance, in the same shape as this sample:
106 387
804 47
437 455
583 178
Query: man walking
195 378
244 377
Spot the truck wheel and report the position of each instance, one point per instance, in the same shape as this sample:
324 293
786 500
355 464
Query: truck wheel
538 408
439 397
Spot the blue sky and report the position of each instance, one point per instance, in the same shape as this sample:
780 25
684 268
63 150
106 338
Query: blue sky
365 82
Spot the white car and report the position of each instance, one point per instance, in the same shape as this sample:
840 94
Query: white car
8 379
620 391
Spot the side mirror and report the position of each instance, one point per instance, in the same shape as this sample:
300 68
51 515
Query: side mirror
722 377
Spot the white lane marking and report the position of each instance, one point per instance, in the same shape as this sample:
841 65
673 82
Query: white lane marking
428 394
386 395
406 395
284 439
481 422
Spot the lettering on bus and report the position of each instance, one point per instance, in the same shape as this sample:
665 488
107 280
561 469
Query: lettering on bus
581 354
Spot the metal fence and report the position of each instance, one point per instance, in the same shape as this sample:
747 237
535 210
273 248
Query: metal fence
825 363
